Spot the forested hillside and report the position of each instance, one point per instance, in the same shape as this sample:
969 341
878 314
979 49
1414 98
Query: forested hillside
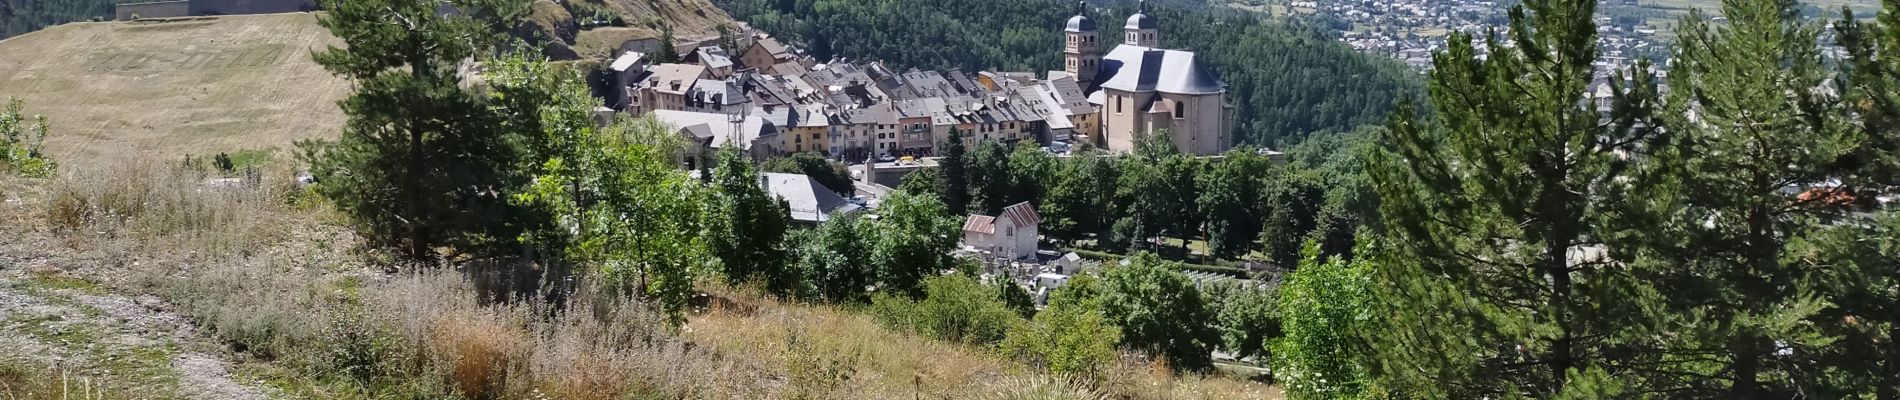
22 16
1286 80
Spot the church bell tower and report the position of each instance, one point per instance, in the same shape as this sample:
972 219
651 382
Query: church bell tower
1141 29
1082 53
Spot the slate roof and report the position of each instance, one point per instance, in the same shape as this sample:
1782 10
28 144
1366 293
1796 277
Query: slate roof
1080 23
1141 69
809 201
715 128
1140 21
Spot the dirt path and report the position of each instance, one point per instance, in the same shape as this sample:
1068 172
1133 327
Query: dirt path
131 345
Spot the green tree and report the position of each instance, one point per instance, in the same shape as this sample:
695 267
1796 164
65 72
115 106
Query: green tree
836 259
419 160
1859 260
914 240
1858 264
1160 311
1230 202
1324 305
668 51
1076 208
988 169
1031 172
1248 318
956 180
611 198
1486 206
1748 125
1293 200
1148 193
1871 73
1071 337
1014 296
748 229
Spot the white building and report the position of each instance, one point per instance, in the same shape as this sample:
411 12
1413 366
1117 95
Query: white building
1014 233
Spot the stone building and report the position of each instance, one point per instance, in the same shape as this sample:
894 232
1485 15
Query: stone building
1141 89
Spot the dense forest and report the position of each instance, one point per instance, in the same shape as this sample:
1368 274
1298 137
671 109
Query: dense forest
1287 79
22 16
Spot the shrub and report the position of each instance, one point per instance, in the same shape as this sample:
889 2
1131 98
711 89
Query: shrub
20 141
478 350
1160 311
955 308
1047 388
1070 338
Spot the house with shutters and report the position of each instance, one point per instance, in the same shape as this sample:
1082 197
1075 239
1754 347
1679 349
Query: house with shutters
1012 232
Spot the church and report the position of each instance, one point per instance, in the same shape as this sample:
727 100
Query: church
1140 88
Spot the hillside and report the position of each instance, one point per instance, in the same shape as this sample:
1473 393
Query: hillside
584 29
22 16
117 90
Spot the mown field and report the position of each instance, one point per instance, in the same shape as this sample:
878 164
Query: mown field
115 91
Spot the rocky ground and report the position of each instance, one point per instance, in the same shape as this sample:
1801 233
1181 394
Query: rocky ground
89 336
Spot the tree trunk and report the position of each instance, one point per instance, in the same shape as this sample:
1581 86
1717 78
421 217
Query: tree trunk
1745 365
1890 384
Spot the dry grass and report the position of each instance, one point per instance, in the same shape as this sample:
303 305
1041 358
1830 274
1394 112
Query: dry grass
887 364
286 285
114 91
33 382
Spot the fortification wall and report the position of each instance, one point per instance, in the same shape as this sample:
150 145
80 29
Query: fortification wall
241 7
156 9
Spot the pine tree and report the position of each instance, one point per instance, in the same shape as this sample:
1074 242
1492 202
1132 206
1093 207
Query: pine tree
420 164
1490 206
956 180
668 51
1859 259
1750 118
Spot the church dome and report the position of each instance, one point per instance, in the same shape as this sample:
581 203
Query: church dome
1081 23
1140 21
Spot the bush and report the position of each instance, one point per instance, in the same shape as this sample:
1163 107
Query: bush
1324 305
1160 311
1070 338
20 142
955 308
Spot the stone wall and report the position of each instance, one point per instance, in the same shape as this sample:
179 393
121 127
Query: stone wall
240 7
156 9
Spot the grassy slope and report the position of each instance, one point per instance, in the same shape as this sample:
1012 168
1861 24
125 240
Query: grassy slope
276 280
120 90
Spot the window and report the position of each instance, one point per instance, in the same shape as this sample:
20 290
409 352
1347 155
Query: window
1118 104
814 136
1180 110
